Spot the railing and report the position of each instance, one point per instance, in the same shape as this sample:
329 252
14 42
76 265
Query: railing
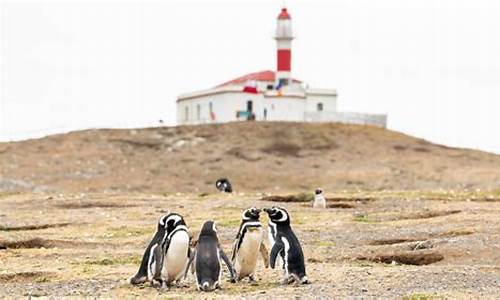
347 117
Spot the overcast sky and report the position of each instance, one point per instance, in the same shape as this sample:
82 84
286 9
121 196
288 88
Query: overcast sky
433 66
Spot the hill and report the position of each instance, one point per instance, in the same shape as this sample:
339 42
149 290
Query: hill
271 156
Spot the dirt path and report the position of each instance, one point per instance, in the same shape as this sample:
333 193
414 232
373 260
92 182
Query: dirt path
380 244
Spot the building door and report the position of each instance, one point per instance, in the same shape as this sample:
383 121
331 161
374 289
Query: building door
250 115
249 106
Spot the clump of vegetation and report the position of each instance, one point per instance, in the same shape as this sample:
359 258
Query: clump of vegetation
421 296
364 219
124 231
132 260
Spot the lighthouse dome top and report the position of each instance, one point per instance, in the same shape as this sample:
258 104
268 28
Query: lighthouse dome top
284 15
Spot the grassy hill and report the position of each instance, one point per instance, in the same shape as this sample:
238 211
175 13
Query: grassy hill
271 156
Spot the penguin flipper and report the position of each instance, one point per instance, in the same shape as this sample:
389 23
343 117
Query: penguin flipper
191 255
265 254
228 264
159 255
277 248
236 244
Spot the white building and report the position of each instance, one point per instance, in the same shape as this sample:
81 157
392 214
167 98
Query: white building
268 95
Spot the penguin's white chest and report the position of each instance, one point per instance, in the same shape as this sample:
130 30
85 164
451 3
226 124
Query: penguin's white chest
248 253
176 258
319 201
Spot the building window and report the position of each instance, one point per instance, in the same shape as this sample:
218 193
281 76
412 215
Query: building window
282 82
198 112
265 114
320 106
210 107
186 113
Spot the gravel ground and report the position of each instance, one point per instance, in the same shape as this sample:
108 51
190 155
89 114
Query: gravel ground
89 245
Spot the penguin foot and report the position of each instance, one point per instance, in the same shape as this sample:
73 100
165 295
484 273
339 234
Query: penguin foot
251 278
158 284
180 285
138 280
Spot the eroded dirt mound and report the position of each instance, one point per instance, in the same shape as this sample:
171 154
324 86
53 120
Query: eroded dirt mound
407 258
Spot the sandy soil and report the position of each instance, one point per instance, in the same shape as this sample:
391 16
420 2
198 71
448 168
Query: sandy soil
367 244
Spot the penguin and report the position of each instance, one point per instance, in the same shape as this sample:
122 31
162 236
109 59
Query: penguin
175 252
207 257
224 185
247 245
148 259
170 235
285 243
319 199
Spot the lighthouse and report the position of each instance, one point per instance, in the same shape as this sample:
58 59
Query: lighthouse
284 39
268 95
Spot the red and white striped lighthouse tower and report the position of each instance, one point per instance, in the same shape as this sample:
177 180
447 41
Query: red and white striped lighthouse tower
284 39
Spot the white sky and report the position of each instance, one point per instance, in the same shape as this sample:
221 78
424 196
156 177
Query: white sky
432 65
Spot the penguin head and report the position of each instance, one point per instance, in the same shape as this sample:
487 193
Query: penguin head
318 191
208 229
278 215
252 213
162 221
170 221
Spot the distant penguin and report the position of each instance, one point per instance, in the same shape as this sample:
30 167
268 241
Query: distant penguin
319 199
285 243
207 257
148 263
224 185
175 252
248 244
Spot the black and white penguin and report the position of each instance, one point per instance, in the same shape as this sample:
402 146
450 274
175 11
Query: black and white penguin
175 252
170 235
319 199
248 244
224 185
285 243
207 257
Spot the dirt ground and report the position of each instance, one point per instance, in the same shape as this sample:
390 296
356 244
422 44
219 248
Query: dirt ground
276 157
385 244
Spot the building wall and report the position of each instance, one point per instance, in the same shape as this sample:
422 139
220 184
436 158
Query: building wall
329 102
347 118
225 106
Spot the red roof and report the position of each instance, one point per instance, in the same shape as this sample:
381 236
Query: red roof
284 14
257 76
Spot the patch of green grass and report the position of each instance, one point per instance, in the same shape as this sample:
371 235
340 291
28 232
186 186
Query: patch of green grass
125 231
364 219
234 222
88 269
421 296
42 279
133 260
